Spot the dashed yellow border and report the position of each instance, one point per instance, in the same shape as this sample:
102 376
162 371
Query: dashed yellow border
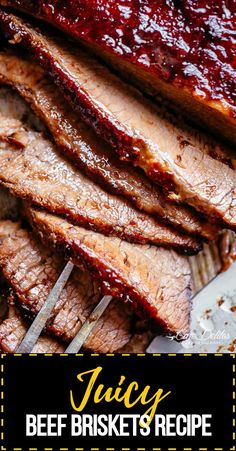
114 449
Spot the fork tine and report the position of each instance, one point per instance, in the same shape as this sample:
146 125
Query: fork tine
39 323
88 326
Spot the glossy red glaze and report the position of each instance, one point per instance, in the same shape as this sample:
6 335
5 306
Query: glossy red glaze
190 42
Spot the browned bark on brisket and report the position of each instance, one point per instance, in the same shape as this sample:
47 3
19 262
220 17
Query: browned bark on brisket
32 169
87 151
168 47
172 155
154 280
32 269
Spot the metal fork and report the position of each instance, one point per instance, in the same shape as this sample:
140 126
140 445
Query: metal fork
204 266
39 323
36 328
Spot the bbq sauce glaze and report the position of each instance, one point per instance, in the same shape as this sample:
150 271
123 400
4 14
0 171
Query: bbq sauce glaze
189 42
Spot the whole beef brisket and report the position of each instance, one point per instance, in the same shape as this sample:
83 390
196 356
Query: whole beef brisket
32 169
32 269
87 151
185 50
154 280
172 155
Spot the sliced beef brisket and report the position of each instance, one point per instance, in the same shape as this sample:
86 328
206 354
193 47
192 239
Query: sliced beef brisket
185 50
172 155
154 280
32 269
12 332
32 169
86 150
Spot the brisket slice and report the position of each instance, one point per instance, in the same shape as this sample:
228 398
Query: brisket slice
169 47
86 150
7 229
32 269
155 281
9 205
32 169
172 155
13 330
